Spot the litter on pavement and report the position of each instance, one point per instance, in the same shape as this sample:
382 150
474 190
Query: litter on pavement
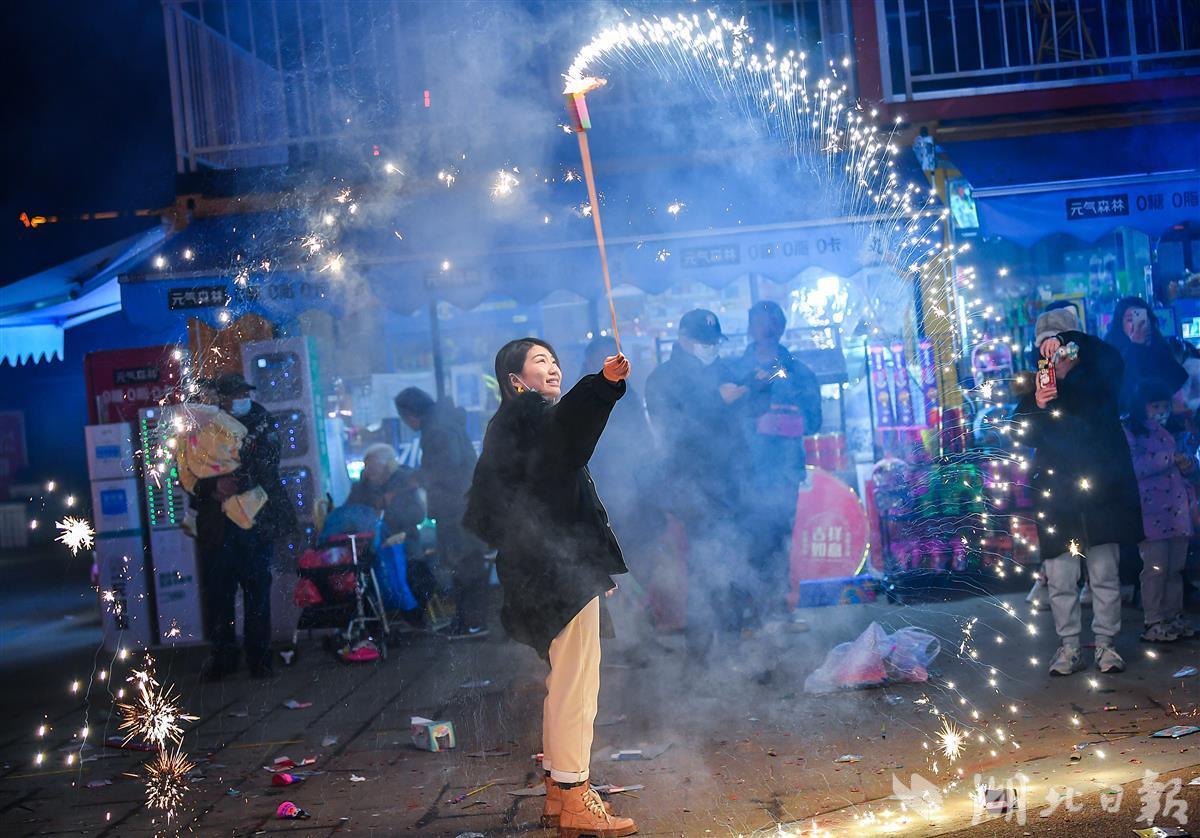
429 735
849 758
290 811
1185 672
875 658
1175 731
354 778
293 704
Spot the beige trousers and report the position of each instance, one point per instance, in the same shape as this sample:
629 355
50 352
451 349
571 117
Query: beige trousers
572 694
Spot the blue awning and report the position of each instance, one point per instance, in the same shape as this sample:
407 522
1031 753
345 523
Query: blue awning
35 311
1086 184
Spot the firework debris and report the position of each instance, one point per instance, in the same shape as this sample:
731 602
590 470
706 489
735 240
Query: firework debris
289 811
429 735
1185 672
293 704
1175 731
848 759
354 778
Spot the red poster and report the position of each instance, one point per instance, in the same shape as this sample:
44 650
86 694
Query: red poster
829 540
121 381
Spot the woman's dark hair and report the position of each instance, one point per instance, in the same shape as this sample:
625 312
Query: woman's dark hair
1146 392
510 360
414 401
1116 329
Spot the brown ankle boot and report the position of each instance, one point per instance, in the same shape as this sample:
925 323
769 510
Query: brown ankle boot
584 813
552 808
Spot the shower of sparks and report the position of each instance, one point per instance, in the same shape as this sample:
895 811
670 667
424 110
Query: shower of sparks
662 255
343 196
335 264
675 207
571 176
1073 548
448 176
505 183
951 739
167 781
312 243
76 534
391 169
153 715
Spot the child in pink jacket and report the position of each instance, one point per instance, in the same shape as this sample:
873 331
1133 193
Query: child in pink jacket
1166 513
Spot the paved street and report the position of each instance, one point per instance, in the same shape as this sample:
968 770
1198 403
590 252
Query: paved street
746 749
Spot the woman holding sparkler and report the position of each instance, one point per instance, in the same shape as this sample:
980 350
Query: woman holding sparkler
533 500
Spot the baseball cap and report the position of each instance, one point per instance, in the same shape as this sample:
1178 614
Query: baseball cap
233 384
702 326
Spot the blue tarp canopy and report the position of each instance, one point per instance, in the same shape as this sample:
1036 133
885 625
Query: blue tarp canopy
1086 183
463 246
35 311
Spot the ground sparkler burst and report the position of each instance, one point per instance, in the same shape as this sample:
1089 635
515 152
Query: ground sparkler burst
951 739
167 780
76 534
153 715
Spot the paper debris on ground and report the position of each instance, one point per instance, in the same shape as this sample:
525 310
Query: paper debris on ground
474 685
535 791
429 735
1185 672
610 789
1175 731
97 784
849 758
644 752
1162 832
329 741
293 704
615 720
354 778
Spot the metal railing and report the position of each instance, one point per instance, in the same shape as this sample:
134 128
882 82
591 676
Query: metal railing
270 82
933 49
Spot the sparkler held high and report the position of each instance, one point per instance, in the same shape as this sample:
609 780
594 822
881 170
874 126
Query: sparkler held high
575 93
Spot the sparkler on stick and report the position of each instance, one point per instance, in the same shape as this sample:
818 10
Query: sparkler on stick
154 714
581 122
167 781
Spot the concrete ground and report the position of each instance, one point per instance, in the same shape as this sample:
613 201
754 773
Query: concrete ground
746 750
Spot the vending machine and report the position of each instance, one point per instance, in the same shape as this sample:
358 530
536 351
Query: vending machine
125 602
284 375
176 578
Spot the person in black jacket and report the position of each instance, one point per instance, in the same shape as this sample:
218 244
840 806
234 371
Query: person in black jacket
1135 333
1084 487
231 556
777 400
533 500
447 464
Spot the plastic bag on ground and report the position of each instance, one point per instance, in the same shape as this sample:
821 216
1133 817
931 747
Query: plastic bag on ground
876 658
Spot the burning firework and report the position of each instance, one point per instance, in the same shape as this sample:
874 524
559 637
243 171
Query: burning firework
505 184
76 534
951 739
167 781
448 176
153 715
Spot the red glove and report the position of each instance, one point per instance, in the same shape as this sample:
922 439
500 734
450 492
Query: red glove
616 368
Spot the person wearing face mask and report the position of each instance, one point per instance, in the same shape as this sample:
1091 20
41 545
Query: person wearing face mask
701 461
1085 492
1161 471
1135 333
233 555
532 498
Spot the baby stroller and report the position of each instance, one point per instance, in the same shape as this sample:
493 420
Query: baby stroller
338 587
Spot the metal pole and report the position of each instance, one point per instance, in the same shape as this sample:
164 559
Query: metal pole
439 363
173 74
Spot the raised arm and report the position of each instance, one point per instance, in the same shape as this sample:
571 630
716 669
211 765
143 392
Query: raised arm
579 417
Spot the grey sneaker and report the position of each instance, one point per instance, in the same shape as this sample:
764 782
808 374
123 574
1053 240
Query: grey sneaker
1157 633
1067 660
1183 627
1107 659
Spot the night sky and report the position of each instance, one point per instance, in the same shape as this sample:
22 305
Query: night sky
88 124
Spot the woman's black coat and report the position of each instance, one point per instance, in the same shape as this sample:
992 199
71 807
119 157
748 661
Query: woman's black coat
533 500
1078 438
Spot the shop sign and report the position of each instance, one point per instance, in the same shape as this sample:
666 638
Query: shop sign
197 296
1100 206
136 375
711 257
272 291
829 540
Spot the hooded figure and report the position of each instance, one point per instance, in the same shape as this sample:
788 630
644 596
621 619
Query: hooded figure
533 499
1135 333
1085 492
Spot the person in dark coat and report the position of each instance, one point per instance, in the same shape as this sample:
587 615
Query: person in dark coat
232 557
778 402
1086 494
533 500
447 464
1135 333
390 488
702 462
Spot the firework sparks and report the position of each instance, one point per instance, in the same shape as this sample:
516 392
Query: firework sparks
153 715
167 781
447 176
951 739
312 243
76 534
675 207
505 183
662 255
